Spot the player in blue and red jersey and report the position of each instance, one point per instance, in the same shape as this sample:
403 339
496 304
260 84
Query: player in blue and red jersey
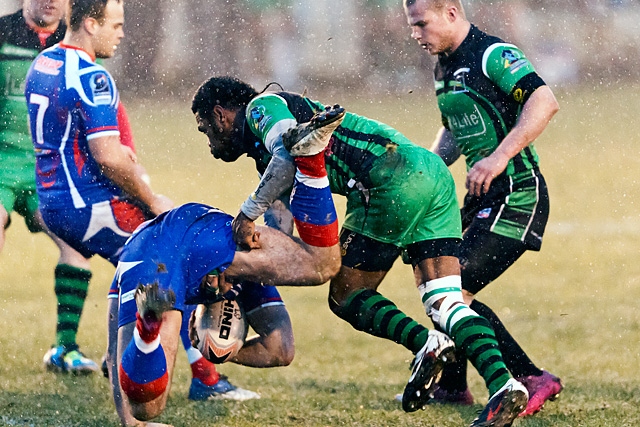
167 265
92 192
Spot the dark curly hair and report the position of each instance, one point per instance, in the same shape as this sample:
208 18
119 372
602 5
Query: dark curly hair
228 92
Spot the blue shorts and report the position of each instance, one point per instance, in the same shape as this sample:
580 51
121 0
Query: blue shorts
102 228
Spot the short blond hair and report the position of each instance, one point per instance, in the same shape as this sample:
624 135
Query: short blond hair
439 4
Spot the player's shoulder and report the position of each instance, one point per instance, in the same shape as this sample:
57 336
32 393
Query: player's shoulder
264 101
499 57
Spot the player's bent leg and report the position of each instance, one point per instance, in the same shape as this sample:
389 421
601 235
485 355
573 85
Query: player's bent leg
274 343
284 260
147 352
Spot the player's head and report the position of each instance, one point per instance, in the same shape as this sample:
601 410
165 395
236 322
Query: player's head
44 13
439 26
101 20
219 109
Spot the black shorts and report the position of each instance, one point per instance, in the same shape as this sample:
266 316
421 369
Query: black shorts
363 253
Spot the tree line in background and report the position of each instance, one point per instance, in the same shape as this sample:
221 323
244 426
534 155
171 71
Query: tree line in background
171 46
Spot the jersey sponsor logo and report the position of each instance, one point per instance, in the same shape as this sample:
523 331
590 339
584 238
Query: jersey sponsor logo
513 60
484 213
48 66
460 82
467 125
100 89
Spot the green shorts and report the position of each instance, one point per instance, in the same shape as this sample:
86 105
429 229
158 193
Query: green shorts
18 186
411 198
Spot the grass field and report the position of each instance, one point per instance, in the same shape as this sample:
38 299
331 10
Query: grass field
573 306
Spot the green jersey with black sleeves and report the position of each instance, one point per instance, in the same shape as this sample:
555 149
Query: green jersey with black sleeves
397 192
481 88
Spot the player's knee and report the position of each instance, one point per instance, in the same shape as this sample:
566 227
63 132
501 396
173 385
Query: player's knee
329 264
146 411
281 348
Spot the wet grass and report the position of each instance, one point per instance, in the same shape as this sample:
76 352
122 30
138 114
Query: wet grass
573 306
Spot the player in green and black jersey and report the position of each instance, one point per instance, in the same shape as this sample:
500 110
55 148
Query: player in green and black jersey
400 197
493 105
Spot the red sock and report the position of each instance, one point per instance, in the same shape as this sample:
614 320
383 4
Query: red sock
312 166
205 371
149 329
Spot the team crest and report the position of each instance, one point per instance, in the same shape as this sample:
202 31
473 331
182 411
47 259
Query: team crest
513 60
460 83
260 121
100 88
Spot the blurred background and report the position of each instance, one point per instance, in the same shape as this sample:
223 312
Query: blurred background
363 46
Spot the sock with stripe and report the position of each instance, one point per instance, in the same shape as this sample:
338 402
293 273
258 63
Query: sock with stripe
368 311
312 203
471 333
71 285
201 368
143 369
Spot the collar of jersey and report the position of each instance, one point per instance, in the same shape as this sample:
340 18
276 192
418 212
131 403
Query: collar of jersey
68 46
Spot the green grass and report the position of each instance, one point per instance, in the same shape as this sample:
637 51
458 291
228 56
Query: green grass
573 306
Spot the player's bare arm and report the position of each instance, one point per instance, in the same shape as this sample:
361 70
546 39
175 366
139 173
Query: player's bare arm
536 114
125 173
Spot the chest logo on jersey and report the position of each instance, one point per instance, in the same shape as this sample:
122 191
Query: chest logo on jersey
100 88
459 83
258 118
48 66
467 124
512 60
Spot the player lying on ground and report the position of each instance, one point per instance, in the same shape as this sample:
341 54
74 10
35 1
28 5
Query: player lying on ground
400 197
172 256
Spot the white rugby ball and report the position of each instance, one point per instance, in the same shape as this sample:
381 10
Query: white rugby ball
222 329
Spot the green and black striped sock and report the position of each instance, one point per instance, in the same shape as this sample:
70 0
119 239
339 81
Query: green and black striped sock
474 335
368 311
71 288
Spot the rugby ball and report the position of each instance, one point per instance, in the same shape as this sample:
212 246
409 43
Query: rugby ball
221 328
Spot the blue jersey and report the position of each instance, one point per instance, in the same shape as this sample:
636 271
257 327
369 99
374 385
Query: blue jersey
176 250
71 101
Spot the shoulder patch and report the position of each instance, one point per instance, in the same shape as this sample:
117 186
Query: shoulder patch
513 60
100 88
258 118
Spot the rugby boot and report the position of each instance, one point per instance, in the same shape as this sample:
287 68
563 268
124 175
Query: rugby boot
223 389
68 360
152 301
504 406
541 388
53 359
77 363
310 138
426 370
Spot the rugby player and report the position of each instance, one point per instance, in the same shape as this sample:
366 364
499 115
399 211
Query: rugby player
493 106
92 191
173 261
400 198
